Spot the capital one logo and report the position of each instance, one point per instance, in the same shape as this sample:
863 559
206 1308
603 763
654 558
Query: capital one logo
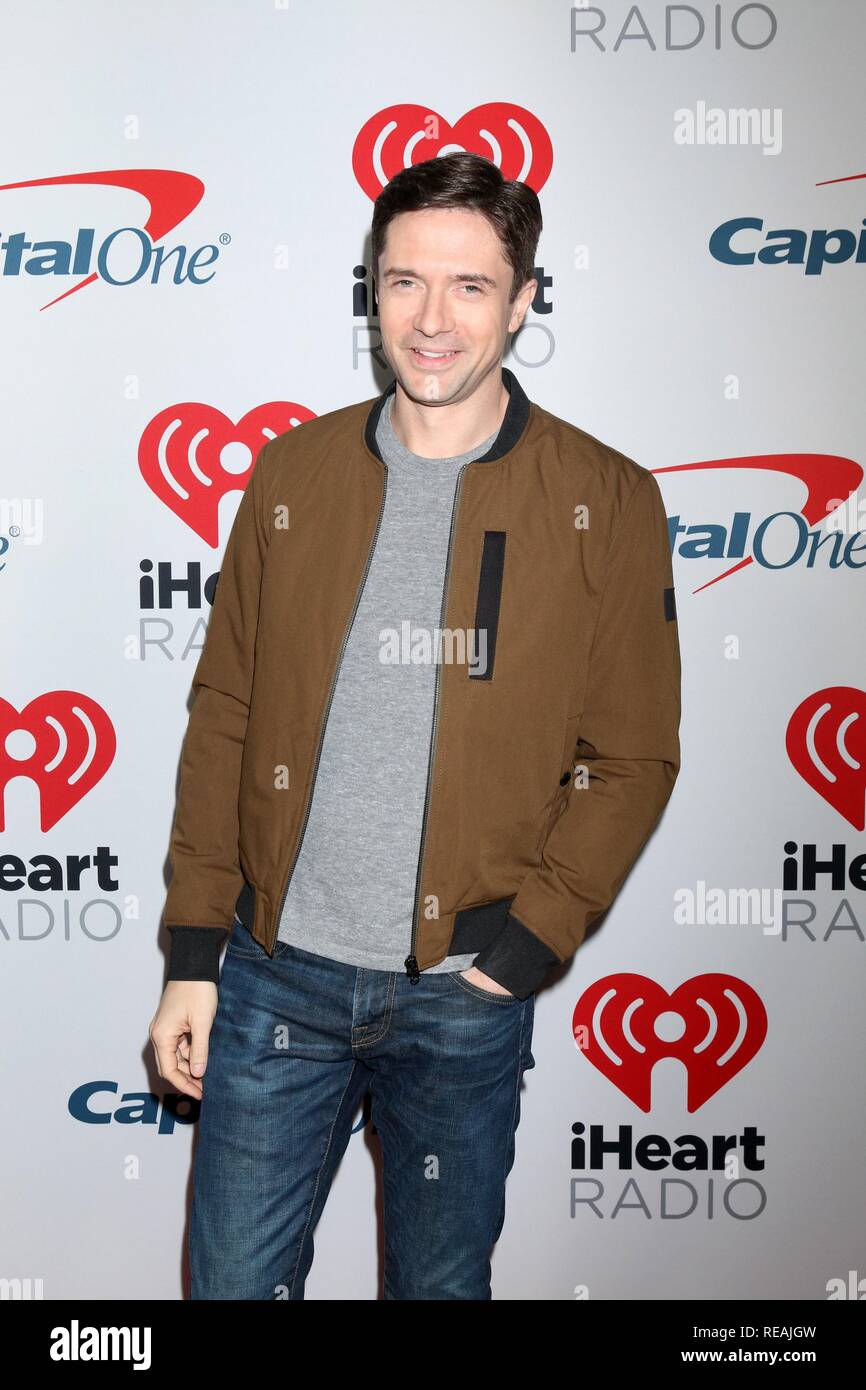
63 741
826 742
714 1024
400 136
783 538
191 455
169 195
813 250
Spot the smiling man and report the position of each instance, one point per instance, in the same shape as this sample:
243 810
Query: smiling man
444 328
400 851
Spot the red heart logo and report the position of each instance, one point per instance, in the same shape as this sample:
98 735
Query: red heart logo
719 1022
73 747
826 742
401 136
191 455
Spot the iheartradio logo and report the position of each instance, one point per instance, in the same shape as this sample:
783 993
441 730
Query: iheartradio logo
63 741
400 136
826 742
714 1024
191 455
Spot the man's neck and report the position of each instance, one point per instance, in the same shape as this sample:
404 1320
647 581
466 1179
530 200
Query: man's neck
445 431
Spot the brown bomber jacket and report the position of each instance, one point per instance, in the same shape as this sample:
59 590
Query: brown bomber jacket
548 769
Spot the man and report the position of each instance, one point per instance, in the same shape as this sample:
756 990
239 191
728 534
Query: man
436 719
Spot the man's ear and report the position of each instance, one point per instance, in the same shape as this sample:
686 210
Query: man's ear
521 304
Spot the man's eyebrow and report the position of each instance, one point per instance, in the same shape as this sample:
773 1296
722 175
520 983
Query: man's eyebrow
462 276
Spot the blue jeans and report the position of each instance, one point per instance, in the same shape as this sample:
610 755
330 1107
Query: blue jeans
296 1043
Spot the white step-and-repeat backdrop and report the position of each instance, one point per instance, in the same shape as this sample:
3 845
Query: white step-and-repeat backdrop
184 247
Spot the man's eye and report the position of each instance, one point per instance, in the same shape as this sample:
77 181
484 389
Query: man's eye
473 287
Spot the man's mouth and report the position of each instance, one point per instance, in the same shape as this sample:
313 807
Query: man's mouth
428 358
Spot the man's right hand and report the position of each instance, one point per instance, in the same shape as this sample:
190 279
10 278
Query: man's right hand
180 1030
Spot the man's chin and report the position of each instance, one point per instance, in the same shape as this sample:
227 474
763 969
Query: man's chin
436 387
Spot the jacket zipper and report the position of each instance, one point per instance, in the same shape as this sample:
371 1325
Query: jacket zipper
330 698
410 962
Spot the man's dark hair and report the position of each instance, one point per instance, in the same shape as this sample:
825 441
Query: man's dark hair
464 180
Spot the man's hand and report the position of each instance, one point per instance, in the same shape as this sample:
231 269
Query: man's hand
478 977
180 1030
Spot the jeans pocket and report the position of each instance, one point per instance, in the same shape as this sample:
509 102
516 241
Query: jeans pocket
242 942
478 993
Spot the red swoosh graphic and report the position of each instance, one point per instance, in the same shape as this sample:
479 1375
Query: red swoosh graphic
845 179
826 477
171 195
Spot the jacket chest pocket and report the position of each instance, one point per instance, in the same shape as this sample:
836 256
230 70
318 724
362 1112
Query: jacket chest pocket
487 604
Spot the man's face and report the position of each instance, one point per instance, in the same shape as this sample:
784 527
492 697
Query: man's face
443 285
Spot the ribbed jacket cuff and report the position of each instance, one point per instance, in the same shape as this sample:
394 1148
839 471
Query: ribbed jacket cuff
195 953
517 959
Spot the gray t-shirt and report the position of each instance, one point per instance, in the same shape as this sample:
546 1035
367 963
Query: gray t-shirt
352 892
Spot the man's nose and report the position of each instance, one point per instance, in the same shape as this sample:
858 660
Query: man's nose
434 315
